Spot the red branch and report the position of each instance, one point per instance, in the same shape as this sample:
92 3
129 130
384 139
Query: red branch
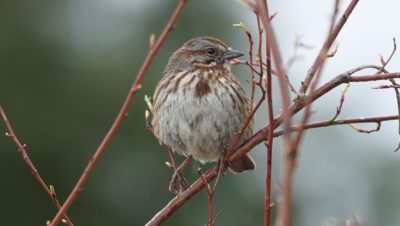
387 87
346 77
327 45
360 130
121 115
21 149
339 108
283 217
181 199
251 65
259 137
268 173
327 123
210 195
319 66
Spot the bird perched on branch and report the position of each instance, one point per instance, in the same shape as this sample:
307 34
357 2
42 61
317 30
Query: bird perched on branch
199 105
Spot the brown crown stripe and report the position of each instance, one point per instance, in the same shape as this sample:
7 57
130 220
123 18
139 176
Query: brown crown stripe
187 54
208 39
215 41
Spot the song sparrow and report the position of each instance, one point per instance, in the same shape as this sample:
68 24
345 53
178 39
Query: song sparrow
199 105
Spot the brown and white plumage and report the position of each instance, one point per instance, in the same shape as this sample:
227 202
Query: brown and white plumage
199 105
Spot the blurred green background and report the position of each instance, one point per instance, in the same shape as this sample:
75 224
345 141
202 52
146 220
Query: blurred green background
66 66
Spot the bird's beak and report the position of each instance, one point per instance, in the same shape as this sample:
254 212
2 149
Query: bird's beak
232 54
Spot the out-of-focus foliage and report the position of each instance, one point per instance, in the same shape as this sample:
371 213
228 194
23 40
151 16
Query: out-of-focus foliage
65 67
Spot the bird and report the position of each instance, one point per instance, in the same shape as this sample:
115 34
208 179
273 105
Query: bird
199 105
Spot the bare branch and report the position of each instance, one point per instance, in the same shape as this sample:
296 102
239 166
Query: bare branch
233 144
210 195
121 115
250 63
21 149
385 63
346 77
327 45
339 108
329 123
261 136
386 87
181 199
269 142
358 129
263 12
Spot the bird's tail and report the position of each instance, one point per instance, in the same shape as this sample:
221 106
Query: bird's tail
242 164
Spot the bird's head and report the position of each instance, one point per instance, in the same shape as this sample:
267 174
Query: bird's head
203 52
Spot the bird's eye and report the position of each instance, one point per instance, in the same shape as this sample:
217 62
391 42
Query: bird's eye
211 51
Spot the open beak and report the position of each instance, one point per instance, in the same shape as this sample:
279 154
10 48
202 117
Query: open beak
232 54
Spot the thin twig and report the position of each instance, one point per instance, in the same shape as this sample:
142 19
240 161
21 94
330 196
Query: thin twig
250 63
235 141
316 77
386 87
21 149
181 199
233 144
343 78
329 123
327 45
283 217
339 108
121 115
397 92
210 195
255 64
260 44
385 63
295 57
269 143
360 130
311 82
